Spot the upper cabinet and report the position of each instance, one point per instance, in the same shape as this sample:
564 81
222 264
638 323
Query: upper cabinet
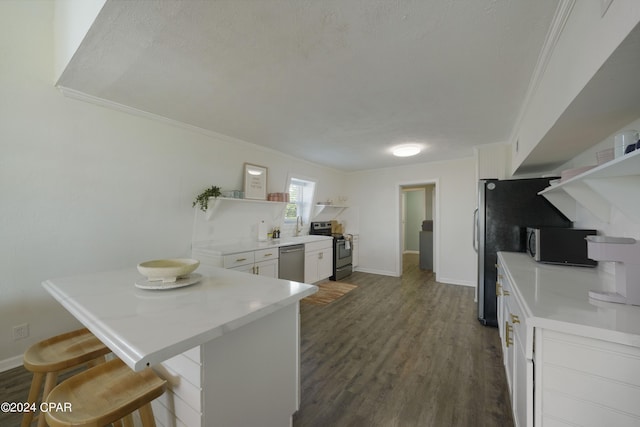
615 183
585 88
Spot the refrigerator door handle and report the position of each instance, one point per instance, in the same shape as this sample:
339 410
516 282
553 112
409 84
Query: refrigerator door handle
475 230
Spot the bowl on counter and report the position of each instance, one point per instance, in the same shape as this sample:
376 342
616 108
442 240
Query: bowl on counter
168 270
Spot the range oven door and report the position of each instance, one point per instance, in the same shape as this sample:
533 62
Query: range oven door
341 259
341 253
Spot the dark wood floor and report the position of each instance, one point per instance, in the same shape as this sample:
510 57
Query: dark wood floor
401 352
393 352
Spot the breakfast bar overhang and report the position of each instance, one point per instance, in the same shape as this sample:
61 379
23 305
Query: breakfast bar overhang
228 345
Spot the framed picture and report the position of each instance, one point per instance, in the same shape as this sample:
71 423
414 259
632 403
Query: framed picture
255 182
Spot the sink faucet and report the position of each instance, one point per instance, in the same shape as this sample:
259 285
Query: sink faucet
298 225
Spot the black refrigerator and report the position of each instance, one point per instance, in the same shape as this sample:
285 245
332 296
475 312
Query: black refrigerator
505 209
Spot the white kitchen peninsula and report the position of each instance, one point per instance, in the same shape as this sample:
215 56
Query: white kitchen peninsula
569 360
228 345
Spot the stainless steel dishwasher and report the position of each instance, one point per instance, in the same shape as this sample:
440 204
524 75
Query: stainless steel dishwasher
291 263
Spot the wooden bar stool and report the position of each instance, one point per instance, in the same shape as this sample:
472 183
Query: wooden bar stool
104 394
54 355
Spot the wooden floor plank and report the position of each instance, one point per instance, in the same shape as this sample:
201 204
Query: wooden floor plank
401 352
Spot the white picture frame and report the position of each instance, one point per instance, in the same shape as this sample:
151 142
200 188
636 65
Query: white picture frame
255 182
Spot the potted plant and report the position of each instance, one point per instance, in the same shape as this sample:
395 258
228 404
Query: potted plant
202 199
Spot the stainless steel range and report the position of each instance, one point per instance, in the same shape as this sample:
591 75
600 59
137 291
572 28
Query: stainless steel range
342 257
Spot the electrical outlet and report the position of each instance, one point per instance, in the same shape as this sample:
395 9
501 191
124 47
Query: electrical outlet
20 331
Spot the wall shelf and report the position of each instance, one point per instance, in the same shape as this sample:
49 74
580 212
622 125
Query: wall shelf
331 210
215 204
614 183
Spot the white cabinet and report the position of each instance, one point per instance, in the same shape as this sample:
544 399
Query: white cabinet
262 262
513 337
585 381
318 261
355 251
586 354
266 262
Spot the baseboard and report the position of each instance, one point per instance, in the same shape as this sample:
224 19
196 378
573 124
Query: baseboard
380 272
449 281
10 363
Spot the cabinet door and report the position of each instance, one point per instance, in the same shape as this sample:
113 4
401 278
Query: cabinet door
325 263
311 267
519 396
267 268
585 381
500 307
508 349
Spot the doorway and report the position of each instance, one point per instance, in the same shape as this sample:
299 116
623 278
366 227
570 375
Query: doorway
418 202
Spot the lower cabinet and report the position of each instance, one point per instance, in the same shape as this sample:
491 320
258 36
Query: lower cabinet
564 375
512 329
263 262
585 381
318 261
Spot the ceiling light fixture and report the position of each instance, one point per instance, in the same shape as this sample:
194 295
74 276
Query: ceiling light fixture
406 150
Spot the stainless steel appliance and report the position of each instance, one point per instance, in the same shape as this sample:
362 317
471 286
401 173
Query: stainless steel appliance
342 252
291 263
505 209
557 245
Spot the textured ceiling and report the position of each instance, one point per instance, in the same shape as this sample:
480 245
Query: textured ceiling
334 82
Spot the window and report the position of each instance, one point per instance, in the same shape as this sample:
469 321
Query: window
300 199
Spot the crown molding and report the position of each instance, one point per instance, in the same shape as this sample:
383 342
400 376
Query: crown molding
101 102
563 11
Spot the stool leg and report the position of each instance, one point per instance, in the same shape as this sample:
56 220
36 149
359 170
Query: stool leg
146 415
36 383
128 421
96 362
49 384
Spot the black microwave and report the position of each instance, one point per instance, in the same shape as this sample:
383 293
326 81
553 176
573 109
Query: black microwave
555 245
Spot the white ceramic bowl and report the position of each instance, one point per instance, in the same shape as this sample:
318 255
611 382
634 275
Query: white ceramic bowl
167 270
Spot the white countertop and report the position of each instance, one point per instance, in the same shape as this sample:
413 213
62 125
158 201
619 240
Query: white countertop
557 297
146 327
227 248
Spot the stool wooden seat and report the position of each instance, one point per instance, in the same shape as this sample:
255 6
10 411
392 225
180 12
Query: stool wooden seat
54 355
104 394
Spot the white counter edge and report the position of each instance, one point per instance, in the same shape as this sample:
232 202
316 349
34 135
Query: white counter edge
137 362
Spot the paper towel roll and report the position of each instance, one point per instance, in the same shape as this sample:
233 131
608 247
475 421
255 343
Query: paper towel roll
262 231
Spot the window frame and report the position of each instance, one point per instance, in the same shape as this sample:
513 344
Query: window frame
307 203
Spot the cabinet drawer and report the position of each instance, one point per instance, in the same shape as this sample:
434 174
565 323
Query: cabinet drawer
317 246
266 254
236 260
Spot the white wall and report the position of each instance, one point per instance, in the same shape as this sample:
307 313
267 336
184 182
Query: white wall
84 188
376 195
